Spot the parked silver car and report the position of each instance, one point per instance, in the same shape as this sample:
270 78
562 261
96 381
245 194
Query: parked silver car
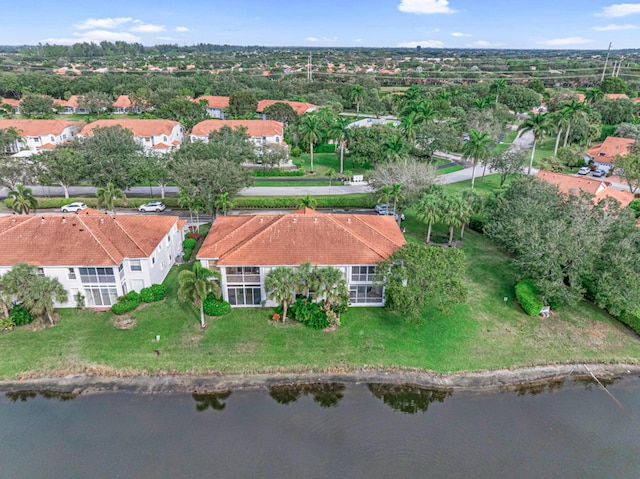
73 207
155 206
584 170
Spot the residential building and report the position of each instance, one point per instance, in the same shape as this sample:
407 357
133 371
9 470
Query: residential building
245 248
215 105
70 106
603 154
159 136
299 107
261 131
14 103
94 254
124 105
570 184
615 96
38 135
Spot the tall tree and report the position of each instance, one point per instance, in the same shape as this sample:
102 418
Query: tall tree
95 102
628 167
16 171
394 148
41 296
64 166
108 195
428 211
279 284
570 111
194 285
538 125
282 112
497 87
183 110
476 148
561 120
242 104
357 95
310 132
22 200
153 168
33 105
224 203
509 162
342 133
594 95
331 286
307 202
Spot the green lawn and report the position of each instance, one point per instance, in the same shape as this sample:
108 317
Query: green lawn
449 169
323 161
296 183
486 332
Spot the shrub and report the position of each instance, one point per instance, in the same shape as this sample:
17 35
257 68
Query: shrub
189 243
155 292
7 324
635 206
477 222
20 316
92 202
131 296
632 320
126 303
215 307
325 148
278 172
278 202
186 254
296 151
527 295
310 314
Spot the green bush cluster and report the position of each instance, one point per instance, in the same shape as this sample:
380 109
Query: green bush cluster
277 172
20 316
155 292
278 202
635 206
7 324
126 303
310 314
477 222
632 320
325 148
213 306
527 295
296 151
187 248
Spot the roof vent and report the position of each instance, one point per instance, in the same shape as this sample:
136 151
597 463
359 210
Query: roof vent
315 220
101 220
42 220
574 191
348 220
81 229
64 220
295 220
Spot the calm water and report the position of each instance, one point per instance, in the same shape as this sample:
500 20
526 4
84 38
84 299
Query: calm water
368 431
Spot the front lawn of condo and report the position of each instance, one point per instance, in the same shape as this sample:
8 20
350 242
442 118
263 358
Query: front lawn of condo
484 333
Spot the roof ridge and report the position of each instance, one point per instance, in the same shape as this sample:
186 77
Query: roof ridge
97 240
129 236
358 237
16 225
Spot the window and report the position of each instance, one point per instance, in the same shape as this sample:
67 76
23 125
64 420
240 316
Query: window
243 274
72 273
121 270
365 294
101 296
40 272
161 264
153 260
134 265
363 273
168 239
97 275
245 296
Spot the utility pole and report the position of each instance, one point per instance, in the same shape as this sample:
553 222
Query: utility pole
605 62
613 71
309 77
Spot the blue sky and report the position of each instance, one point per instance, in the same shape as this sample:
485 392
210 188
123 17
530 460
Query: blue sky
562 24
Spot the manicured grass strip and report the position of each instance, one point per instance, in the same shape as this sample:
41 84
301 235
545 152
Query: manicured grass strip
359 200
449 169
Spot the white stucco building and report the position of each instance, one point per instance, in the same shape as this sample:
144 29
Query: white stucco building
37 135
261 132
160 136
215 105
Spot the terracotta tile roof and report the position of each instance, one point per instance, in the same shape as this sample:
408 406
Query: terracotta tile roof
181 224
636 100
160 146
214 101
175 142
298 106
72 102
136 126
88 238
611 147
569 184
9 101
48 146
255 128
292 239
615 96
37 127
123 101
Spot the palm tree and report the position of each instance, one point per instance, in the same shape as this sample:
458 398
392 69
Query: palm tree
538 124
41 295
107 196
341 132
331 286
23 200
279 284
224 203
307 202
194 286
425 113
429 211
357 95
385 195
310 132
5 299
451 213
409 126
394 148
463 208
396 194
331 174
476 148
571 110
497 87
560 120
594 95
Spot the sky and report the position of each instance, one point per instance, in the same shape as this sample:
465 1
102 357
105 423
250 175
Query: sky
539 24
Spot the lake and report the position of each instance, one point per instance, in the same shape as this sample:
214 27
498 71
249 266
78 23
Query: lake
575 430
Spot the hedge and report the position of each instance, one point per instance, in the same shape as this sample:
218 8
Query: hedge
278 172
155 292
325 148
215 307
632 320
92 202
126 303
189 243
328 201
186 253
527 295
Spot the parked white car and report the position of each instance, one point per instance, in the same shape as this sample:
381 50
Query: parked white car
73 207
155 206
585 170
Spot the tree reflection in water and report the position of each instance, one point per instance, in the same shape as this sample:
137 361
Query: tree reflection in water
325 394
24 396
211 400
408 398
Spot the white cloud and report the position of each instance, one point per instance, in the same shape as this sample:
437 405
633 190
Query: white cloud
425 7
182 29
609 28
148 28
620 10
422 44
312 39
109 23
95 36
484 44
460 34
330 39
168 39
563 42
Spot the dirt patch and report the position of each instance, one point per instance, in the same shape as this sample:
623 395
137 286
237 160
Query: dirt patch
123 322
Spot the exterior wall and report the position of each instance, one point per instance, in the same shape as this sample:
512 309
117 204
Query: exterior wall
35 142
262 140
148 142
215 113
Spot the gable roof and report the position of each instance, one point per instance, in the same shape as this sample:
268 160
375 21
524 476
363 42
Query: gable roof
610 147
299 107
214 101
615 96
123 101
304 235
88 238
136 126
72 102
37 127
255 128
569 184
10 101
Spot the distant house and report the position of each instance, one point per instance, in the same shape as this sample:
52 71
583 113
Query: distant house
615 96
603 154
14 103
261 131
214 105
569 184
38 135
160 136
298 106
70 106
245 248
96 255
124 105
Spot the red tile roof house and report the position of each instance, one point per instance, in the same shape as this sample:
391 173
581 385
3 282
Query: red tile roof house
160 136
245 248
40 135
298 106
14 103
215 105
569 184
603 154
124 105
70 106
97 255
261 131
